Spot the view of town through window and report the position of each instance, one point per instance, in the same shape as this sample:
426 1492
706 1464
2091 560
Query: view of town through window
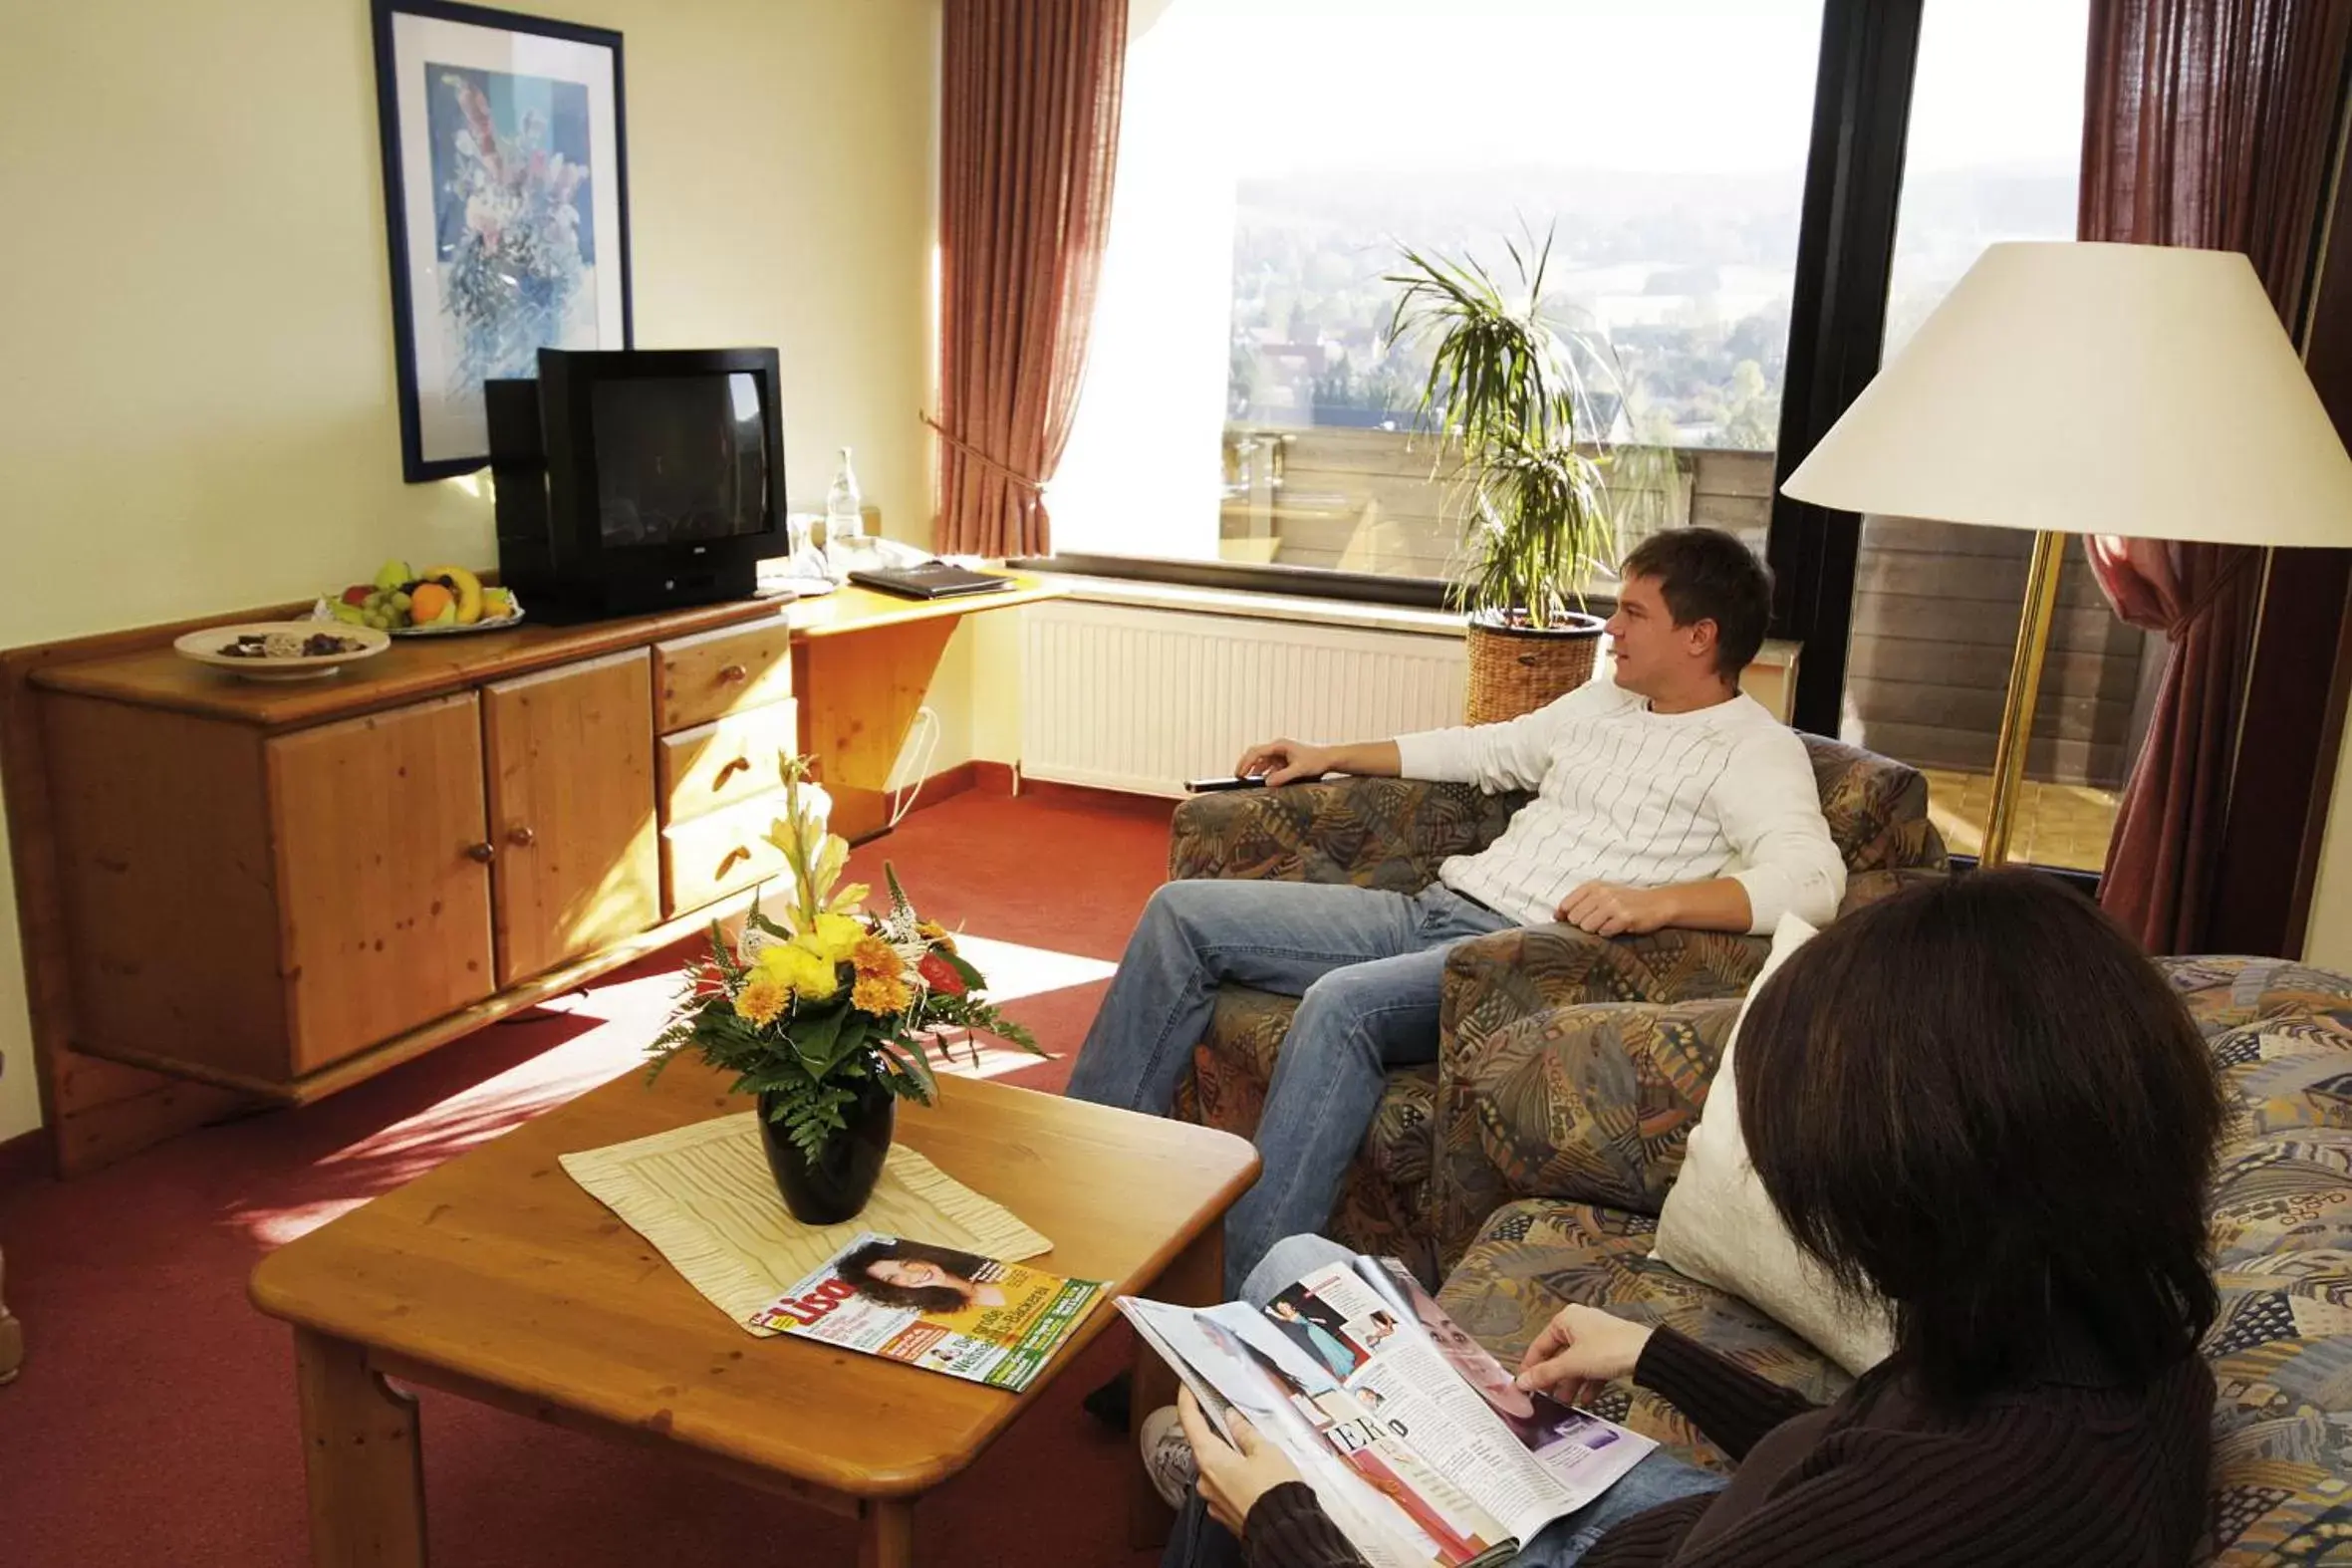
1654 154
1658 146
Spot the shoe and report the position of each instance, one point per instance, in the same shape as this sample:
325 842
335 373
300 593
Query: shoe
1168 1457
1113 1402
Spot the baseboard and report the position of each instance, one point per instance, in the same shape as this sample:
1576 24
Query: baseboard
1124 802
1005 779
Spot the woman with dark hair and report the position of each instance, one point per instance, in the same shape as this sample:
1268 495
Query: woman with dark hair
1980 1100
922 1276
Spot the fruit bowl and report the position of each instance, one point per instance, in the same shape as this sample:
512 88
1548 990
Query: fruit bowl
440 601
275 648
462 629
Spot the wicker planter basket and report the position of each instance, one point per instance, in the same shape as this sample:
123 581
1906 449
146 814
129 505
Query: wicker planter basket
1517 669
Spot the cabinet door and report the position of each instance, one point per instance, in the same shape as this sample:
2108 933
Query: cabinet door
383 882
571 768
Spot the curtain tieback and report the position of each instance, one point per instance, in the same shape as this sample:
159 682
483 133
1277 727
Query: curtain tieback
1033 486
2241 558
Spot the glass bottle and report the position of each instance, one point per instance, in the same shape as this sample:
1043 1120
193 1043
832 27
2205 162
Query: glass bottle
845 517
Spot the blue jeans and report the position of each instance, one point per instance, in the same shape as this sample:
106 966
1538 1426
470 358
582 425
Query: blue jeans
1200 1542
1366 966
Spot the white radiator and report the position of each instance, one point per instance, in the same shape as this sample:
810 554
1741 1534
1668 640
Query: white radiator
1126 699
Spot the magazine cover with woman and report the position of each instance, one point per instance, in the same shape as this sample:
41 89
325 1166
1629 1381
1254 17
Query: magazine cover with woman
930 1306
1415 1441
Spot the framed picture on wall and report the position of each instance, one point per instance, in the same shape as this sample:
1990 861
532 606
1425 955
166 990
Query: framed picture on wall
506 205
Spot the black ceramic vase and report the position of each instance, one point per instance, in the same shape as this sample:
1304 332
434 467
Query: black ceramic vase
833 1187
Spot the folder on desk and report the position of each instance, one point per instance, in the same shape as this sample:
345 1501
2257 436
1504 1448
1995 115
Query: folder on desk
930 580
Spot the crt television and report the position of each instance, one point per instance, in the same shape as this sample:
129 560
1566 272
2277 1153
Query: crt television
638 481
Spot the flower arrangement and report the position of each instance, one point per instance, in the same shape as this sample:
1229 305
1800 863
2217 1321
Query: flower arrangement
511 275
809 1013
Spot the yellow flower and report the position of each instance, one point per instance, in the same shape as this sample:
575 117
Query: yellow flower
763 1001
833 936
875 960
876 994
937 934
805 974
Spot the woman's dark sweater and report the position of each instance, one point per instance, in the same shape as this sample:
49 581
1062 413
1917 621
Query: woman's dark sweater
2073 1467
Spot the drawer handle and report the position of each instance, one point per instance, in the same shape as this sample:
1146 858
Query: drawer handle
733 674
482 853
727 862
732 768
521 838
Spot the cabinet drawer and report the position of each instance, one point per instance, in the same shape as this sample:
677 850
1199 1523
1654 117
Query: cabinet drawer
721 673
717 855
731 759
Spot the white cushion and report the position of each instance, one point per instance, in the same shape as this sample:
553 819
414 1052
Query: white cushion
1718 1227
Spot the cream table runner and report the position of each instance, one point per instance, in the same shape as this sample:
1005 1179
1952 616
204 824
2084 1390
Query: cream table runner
704 1196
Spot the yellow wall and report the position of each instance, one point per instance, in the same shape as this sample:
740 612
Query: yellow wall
196 407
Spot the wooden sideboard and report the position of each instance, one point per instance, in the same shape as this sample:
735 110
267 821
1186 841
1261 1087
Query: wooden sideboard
236 892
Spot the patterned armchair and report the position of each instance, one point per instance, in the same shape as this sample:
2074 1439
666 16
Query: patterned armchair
1394 834
1562 1131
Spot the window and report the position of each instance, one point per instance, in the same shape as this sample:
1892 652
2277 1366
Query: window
1936 605
1243 402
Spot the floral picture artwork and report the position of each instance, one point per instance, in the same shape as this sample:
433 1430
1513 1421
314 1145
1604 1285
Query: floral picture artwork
506 207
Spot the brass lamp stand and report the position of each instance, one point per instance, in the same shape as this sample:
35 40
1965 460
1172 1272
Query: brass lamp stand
2016 717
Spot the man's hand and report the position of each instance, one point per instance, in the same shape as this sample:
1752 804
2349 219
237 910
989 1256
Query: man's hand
1287 761
1607 909
1231 1479
1578 1351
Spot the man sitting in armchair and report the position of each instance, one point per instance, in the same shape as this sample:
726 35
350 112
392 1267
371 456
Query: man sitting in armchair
1662 798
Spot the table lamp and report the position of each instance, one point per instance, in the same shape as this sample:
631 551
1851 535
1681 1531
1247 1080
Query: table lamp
2074 387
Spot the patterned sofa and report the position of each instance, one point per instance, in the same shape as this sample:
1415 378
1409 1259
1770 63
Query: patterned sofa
1560 1132
1394 833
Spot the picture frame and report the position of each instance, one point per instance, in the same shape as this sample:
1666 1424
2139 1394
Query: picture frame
506 208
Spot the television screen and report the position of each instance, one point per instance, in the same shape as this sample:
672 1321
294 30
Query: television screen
679 457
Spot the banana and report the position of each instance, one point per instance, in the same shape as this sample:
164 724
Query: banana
467 587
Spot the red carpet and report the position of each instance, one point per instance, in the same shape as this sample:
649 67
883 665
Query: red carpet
154 1423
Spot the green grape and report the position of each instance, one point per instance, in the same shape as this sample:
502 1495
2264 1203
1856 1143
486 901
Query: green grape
400 601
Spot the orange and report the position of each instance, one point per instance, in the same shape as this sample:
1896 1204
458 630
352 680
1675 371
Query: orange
426 601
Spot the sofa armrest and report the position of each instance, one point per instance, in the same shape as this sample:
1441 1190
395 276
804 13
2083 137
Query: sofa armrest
1496 981
1375 832
1589 1104
1513 974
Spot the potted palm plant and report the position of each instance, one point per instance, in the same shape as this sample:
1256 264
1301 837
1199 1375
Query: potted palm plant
1509 396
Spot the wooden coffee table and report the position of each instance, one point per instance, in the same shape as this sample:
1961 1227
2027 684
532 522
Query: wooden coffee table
495 1277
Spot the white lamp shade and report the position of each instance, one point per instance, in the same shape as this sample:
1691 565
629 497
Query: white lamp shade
2087 389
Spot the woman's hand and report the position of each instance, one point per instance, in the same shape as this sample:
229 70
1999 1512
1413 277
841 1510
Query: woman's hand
1231 1479
1580 1349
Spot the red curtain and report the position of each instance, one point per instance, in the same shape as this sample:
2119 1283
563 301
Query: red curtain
2209 123
1028 138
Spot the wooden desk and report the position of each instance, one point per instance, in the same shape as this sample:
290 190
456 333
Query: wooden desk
498 1279
863 661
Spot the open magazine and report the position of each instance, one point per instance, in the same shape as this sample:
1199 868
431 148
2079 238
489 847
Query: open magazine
1413 1437
968 1316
